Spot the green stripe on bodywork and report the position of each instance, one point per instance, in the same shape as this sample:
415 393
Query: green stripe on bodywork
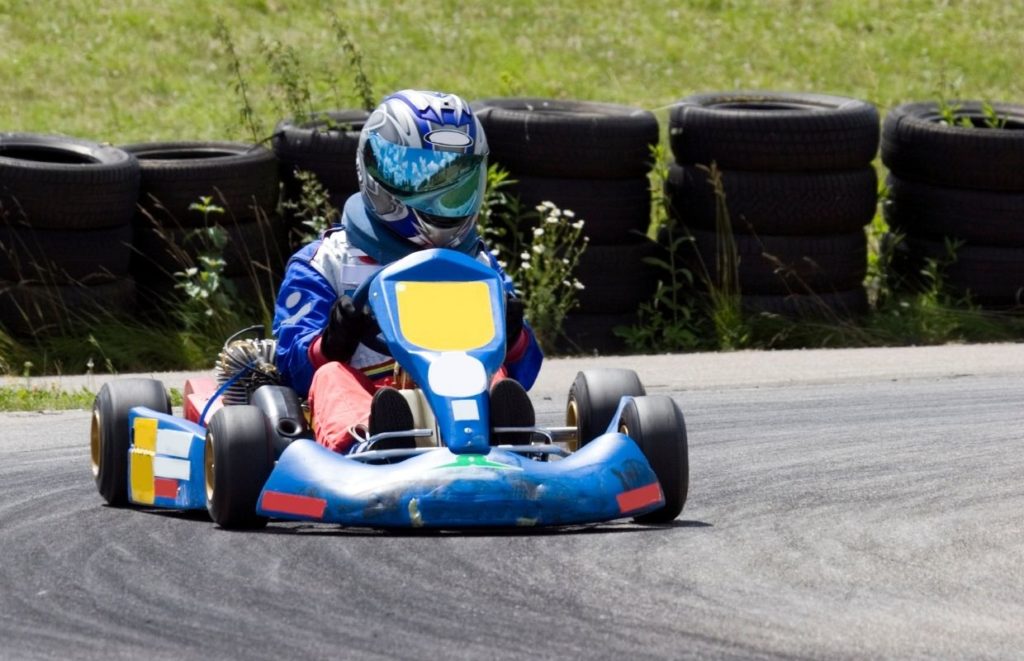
466 460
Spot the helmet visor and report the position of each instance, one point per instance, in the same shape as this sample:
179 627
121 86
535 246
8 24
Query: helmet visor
410 171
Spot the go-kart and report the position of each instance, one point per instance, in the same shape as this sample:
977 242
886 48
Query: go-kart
246 454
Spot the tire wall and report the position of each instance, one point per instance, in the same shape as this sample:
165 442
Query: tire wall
324 145
171 233
799 188
961 186
593 159
83 226
66 208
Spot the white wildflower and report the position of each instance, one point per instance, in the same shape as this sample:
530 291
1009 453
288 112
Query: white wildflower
539 249
538 231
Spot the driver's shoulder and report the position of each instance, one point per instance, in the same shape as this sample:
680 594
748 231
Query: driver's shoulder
340 263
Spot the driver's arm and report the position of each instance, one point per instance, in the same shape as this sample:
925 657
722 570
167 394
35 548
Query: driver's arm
301 313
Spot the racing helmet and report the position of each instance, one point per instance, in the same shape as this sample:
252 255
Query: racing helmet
422 165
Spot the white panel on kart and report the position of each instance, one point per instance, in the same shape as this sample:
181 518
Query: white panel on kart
176 469
465 409
457 374
173 442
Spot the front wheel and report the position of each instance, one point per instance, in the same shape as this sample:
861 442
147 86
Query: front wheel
237 463
657 425
594 397
109 436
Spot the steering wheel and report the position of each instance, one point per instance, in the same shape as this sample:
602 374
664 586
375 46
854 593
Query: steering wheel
372 338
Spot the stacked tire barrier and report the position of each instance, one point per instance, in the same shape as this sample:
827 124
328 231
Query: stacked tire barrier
324 145
592 159
964 184
66 208
241 179
799 188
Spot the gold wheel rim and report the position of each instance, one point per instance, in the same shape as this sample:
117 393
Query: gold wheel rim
95 442
572 417
623 429
209 466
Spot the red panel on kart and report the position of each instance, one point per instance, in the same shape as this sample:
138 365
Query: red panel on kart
165 488
286 503
196 394
634 499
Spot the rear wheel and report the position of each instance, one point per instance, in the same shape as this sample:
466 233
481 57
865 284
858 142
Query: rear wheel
237 463
657 425
594 397
109 436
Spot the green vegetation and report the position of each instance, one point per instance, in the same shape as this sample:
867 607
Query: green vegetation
53 398
128 71
123 71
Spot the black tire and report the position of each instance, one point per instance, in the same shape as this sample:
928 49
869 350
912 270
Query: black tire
109 436
252 246
568 139
983 217
326 146
787 264
791 203
918 146
238 462
613 210
617 279
241 178
64 256
593 334
33 308
658 427
54 182
826 306
594 397
774 131
992 275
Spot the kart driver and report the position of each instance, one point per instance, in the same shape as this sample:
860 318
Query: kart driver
422 166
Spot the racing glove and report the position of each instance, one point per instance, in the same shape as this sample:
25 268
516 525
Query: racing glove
514 309
345 327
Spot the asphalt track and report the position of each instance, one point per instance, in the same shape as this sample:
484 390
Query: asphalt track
842 505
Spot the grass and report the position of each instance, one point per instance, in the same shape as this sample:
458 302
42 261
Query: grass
123 71
53 398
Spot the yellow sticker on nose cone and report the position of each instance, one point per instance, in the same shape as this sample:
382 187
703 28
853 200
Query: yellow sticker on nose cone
445 316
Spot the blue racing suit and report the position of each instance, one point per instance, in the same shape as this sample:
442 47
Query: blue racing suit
337 264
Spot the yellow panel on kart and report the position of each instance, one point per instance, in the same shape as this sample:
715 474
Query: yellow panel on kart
145 434
142 478
463 309
140 467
